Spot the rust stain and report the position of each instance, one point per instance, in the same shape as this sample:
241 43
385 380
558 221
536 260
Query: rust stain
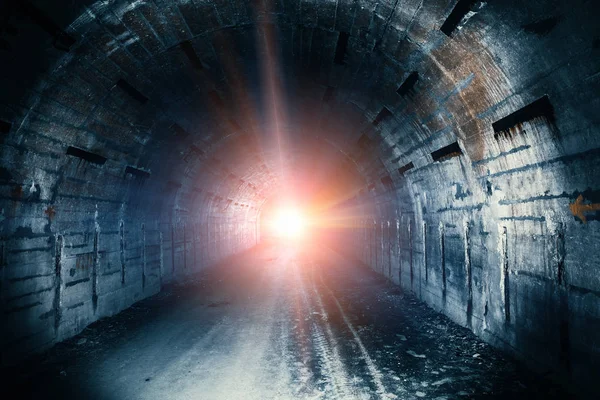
472 105
50 212
579 209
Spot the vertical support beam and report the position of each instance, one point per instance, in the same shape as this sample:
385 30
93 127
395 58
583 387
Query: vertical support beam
468 272
173 250
357 237
367 234
226 237
443 260
378 246
143 257
215 239
95 262
363 233
560 255
122 250
371 241
410 245
399 253
504 277
217 243
161 264
397 240
205 246
366 237
389 228
219 239
425 251
209 245
364 243
383 241
368 242
57 302
195 243
382 247
373 256
370 238
184 247
361 240
418 266
375 250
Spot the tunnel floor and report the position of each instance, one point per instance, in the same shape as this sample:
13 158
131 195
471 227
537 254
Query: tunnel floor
278 323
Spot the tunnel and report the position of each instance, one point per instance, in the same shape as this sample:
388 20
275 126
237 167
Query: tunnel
438 157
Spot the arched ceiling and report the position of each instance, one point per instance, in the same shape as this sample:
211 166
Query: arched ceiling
232 100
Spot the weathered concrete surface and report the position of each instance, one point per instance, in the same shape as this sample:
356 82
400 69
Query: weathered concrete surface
280 323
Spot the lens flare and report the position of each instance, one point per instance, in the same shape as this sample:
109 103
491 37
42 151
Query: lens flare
289 223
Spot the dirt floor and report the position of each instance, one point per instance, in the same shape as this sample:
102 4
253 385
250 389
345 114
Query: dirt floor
277 323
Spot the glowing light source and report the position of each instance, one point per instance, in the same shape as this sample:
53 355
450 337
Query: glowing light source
289 223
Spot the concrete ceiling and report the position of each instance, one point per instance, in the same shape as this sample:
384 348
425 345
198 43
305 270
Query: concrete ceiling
168 87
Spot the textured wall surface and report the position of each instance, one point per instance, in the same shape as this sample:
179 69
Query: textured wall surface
500 233
459 140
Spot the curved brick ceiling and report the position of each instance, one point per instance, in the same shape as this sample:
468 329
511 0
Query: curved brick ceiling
184 91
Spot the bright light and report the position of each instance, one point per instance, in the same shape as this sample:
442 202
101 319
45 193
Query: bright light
289 223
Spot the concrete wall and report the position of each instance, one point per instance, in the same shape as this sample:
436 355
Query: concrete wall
500 234
520 273
106 193
499 244
92 263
